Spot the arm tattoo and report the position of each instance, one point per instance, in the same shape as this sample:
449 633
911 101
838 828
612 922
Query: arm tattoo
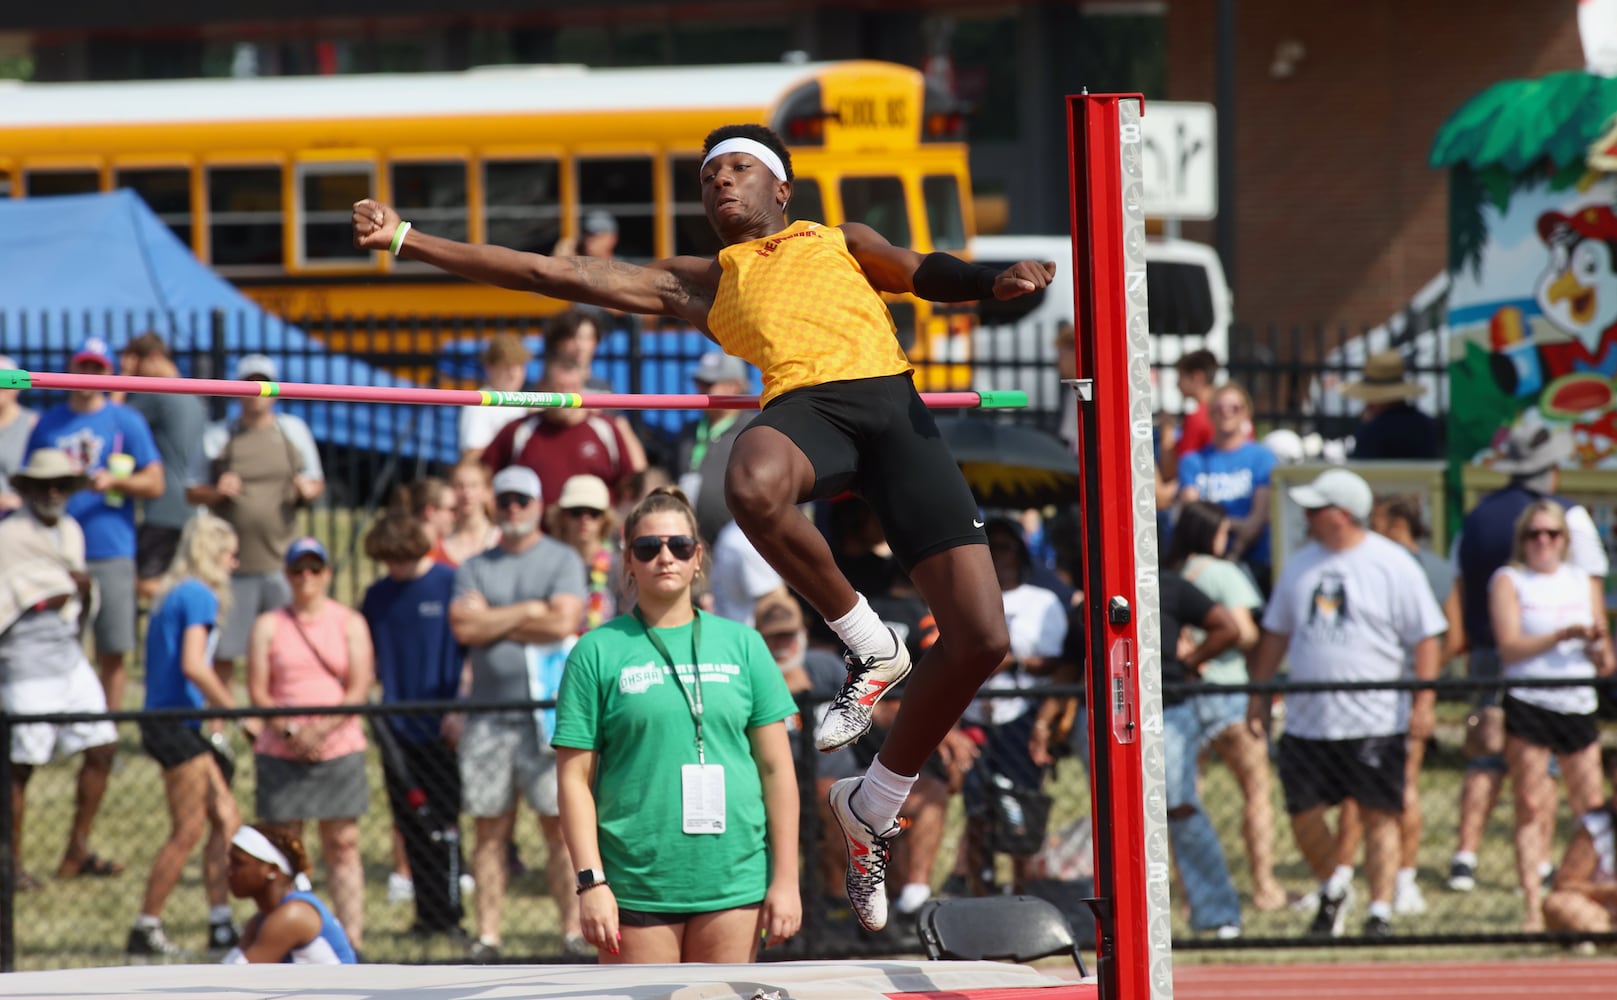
593 272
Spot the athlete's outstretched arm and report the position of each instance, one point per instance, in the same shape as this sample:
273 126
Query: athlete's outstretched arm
939 277
679 286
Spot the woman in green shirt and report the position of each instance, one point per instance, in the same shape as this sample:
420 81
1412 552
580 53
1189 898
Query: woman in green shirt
1199 537
678 796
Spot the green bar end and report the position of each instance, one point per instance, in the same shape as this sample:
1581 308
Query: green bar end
15 378
1002 399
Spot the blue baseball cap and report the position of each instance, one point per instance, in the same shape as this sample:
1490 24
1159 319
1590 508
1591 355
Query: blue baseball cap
306 546
95 349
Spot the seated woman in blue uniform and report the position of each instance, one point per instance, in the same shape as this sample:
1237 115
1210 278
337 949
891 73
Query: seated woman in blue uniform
292 924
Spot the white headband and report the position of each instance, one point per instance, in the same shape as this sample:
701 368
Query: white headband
753 148
255 844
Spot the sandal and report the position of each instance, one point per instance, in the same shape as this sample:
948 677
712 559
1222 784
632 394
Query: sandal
93 865
27 883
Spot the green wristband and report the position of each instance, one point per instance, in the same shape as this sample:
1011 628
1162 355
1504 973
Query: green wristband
398 237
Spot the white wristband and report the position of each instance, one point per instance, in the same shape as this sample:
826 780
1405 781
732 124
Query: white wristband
398 237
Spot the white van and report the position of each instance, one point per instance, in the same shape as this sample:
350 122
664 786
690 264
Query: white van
1014 346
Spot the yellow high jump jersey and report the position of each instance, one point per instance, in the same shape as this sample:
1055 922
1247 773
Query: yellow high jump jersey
798 306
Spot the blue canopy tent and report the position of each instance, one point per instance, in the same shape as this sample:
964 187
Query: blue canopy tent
104 265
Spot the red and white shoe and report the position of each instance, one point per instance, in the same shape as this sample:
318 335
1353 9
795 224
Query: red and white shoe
852 710
868 854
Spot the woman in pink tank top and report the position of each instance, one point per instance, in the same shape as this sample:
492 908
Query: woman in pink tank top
314 653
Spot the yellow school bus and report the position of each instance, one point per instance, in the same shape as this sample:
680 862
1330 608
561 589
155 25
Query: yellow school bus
257 175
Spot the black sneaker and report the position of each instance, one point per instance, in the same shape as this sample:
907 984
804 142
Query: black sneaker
483 952
150 944
1377 927
1462 876
1331 916
222 936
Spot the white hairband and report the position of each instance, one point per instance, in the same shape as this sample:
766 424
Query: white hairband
753 148
255 844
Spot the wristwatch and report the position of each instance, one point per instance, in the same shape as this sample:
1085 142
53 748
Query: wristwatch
589 878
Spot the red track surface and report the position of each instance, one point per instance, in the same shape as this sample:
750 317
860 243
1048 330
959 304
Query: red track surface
1552 979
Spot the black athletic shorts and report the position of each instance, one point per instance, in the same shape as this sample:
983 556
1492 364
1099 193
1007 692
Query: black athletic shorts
645 918
1369 770
171 742
155 545
875 437
1556 731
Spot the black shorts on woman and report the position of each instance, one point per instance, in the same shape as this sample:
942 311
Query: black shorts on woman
1557 732
876 438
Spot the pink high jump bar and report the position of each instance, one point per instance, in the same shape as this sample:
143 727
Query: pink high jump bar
11 378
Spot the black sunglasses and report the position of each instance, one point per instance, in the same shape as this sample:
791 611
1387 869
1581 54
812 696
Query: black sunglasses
1550 533
647 547
512 500
583 512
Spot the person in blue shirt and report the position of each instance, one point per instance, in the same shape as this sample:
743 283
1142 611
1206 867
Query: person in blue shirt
418 659
114 446
270 867
192 596
1233 471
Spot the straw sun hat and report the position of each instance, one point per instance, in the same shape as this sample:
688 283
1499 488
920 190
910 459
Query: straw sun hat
1384 381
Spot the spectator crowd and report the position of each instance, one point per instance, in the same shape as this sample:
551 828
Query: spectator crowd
561 542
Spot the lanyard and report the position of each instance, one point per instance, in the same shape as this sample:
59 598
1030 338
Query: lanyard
706 433
693 703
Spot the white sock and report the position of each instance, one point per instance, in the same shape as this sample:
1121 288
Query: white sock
912 896
862 631
1599 825
881 795
1466 858
1544 868
1380 909
1340 881
1406 878
220 915
148 922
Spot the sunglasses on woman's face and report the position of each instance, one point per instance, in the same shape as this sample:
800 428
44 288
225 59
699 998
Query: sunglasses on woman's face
583 512
1551 533
648 547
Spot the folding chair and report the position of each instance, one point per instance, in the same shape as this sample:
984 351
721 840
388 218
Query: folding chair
996 928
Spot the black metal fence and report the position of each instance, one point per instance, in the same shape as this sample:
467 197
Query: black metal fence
1294 374
84 921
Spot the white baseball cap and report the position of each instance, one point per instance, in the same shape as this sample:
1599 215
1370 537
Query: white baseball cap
256 366
517 479
1336 488
585 490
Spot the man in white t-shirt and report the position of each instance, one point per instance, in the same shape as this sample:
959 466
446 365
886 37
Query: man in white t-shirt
740 577
505 369
1350 606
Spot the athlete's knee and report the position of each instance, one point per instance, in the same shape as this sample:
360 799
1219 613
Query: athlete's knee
983 642
757 487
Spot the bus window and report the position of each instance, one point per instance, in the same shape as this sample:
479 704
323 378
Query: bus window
622 188
433 196
44 183
522 204
244 216
327 192
693 235
166 191
878 202
941 193
806 201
